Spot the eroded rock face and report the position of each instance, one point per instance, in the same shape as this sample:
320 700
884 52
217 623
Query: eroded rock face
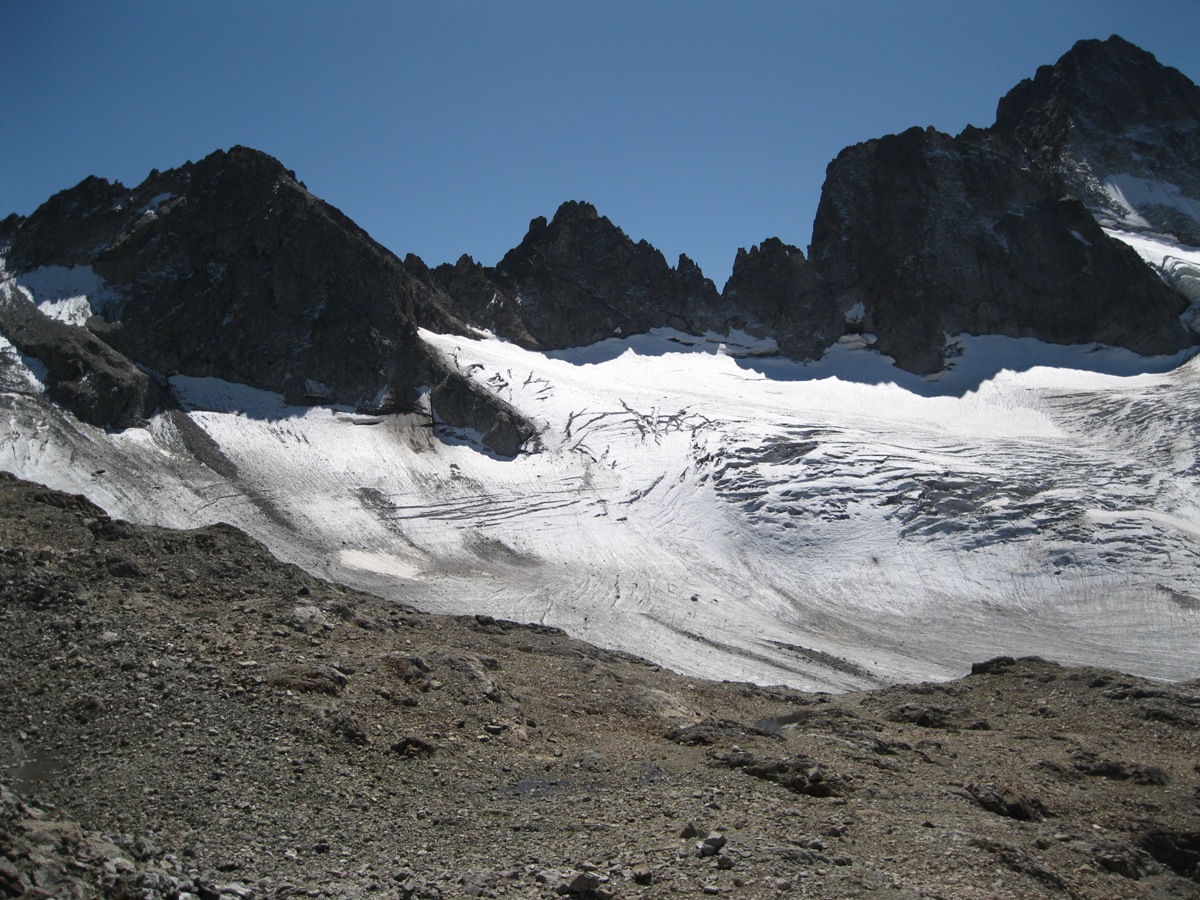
939 235
772 292
460 402
83 374
576 280
1105 115
231 268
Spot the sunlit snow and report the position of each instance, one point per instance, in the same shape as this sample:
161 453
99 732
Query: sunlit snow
71 294
721 511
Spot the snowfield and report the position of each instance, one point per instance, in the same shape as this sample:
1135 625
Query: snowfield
704 504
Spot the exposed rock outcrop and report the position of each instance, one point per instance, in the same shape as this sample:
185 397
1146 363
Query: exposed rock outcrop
578 279
82 373
461 403
772 291
995 231
1104 117
231 268
936 235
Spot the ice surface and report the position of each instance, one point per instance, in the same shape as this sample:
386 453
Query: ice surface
71 294
834 525
1131 196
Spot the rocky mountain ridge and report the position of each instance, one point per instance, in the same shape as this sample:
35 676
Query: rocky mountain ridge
229 267
995 231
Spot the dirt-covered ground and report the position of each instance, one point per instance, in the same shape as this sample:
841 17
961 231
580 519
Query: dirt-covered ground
183 716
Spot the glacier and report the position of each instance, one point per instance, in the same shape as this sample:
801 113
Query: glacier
699 502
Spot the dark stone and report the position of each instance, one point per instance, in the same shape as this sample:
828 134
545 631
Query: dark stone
232 269
83 373
772 291
994 665
1005 802
797 773
1110 108
413 747
923 716
1178 851
938 235
461 403
576 280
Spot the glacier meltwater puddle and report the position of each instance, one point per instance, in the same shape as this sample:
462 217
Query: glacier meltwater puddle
32 768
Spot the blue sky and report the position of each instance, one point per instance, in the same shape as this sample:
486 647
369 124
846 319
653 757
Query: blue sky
443 127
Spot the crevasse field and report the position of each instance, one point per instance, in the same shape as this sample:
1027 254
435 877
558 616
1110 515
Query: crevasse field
698 502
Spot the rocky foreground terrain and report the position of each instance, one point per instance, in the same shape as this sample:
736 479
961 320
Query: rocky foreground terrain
183 716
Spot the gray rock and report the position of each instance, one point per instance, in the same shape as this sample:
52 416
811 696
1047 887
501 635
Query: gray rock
576 280
231 268
931 235
83 373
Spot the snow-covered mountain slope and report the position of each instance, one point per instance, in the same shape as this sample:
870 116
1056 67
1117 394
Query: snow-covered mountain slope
1178 264
715 509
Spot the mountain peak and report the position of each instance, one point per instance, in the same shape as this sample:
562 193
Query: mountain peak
1112 126
579 210
1109 86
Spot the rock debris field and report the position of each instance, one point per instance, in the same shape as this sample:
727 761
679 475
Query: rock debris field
183 716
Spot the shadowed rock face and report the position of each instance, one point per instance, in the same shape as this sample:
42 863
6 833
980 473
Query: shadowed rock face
937 235
1108 108
994 232
772 291
231 268
83 374
578 279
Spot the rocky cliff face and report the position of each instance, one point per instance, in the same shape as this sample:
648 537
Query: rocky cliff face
1105 117
995 231
932 235
83 374
230 268
578 279
772 291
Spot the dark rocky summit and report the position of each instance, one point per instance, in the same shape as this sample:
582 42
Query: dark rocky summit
576 280
229 267
930 235
994 231
1108 108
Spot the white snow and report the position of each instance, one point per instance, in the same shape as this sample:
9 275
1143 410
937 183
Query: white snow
1178 264
1130 195
728 514
70 294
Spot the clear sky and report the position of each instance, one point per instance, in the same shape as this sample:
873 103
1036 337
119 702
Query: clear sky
443 127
